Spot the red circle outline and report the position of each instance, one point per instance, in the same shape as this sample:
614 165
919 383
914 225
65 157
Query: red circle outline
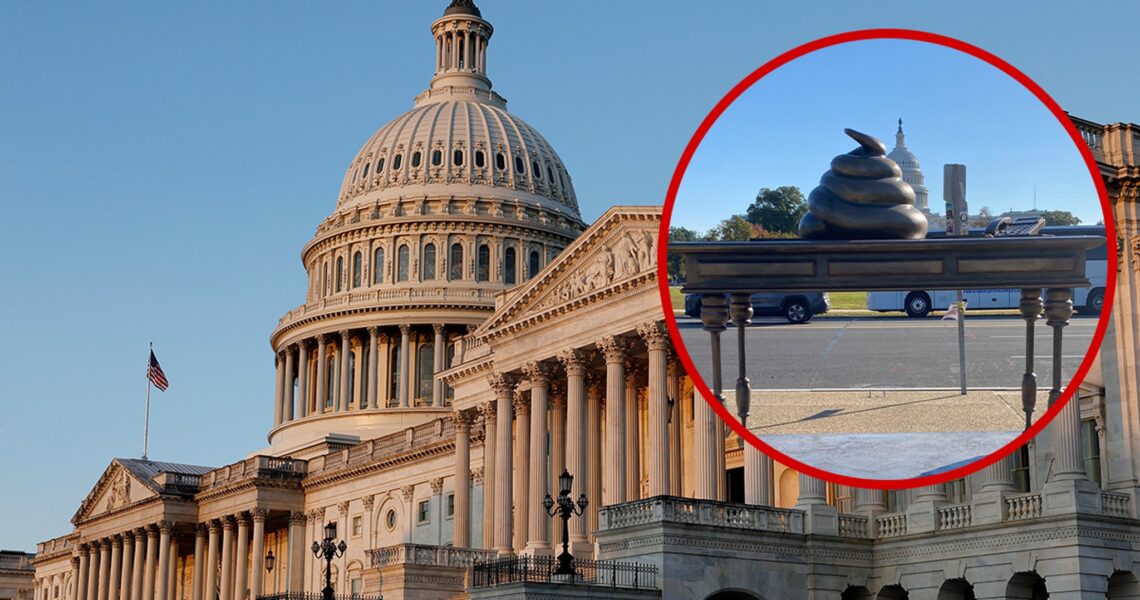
729 98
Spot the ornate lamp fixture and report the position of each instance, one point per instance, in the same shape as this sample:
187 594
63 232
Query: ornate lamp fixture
328 550
564 507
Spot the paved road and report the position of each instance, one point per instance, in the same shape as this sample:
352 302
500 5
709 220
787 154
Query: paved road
835 352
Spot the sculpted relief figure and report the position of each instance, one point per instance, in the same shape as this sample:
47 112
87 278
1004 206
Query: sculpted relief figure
120 494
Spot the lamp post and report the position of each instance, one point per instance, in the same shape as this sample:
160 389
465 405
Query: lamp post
564 507
328 550
270 560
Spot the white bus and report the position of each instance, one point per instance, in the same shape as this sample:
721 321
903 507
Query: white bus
919 303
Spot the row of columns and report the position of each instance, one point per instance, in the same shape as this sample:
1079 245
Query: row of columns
531 438
460 50
133 565
373 380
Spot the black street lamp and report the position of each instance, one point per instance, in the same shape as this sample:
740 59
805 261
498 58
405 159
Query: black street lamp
271 560
328 550
564 507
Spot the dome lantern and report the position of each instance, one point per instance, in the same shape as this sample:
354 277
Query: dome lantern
461 37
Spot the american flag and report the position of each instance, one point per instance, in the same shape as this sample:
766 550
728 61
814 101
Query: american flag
155 375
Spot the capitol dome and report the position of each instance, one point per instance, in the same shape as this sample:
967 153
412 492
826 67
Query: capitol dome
440 213
911 170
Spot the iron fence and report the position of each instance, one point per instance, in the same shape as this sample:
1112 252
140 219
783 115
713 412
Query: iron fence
315 596
543 569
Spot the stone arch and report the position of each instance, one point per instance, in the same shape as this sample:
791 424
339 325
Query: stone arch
789 490
1123 585
856 592
956 589
381 535
1026 585
893 592
734 595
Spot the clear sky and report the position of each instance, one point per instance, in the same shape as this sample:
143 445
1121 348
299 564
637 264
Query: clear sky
785 129
162 164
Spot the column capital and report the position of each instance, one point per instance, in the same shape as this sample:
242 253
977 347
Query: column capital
405 329
477 476
463 420
116 541
214 526
521 403
437 328
165 526
368 501
201 529
228 523
557 395
297 518
437 486
654 334
151 532
613 348
342 507
634 371
128 536
321 337
487 409
242 518
373 332
573 360
503 383
408 491
538 373
343 333
316 515
259 514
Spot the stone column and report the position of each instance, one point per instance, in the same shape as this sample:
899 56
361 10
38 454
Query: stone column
437 366
84 565
988 505
675 427
115 576
461 523
302 379
490 443
199 561
322 376
104 569
257 572
405 350
632 425
287 396
819 518
227 588
209 571
150 563
577 458
504 387
593 454
408 493
345 373
870 503
172 570
383 373
538 538
558 460
657 464
522 472
297 551
373 362
279 393
125 568
704 459
74 579
922 513
614 487
162 577
241 566
138 566
93 570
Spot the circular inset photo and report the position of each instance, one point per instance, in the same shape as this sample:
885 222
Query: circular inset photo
888 258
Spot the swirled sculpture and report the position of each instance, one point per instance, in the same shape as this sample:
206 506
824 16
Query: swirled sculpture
863 196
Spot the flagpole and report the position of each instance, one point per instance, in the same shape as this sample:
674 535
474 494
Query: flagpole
146 422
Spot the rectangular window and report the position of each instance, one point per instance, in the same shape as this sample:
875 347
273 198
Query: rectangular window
357 526
357 586
450 505
956 491
1020 469
1090 449
423 515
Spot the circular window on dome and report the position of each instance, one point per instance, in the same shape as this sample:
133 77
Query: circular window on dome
415 159
436 158
396 161
520 166
479 158
457 158
500 161
390 519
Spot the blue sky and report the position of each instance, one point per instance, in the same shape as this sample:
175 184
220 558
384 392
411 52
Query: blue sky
162 164
786 127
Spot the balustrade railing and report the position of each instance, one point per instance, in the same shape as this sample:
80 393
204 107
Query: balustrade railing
316 596
401 296
853 526
954 516
891 524
1024 506
16 562
419 437
254 467
543 569
1115 505
428 555
672 509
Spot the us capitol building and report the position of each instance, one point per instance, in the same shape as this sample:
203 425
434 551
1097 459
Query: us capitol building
465 337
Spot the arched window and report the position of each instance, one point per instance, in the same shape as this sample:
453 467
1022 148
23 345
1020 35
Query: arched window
351 377
378 266
396 161
479 162
339 272
416 159
520 166
549 174
333 375
357 268
483 268
394 384
457 158
429 262
402 263
425 371
534 266
455 262
510 266
366 165
500 161
379 166
436 158
324 279
534 169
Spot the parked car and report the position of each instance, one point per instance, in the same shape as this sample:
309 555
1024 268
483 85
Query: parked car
795 307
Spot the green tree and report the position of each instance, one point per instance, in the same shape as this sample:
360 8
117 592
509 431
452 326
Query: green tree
778 210
1060 217
736 228
675 263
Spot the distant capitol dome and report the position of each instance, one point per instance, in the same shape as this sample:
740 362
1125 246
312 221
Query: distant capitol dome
911 170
